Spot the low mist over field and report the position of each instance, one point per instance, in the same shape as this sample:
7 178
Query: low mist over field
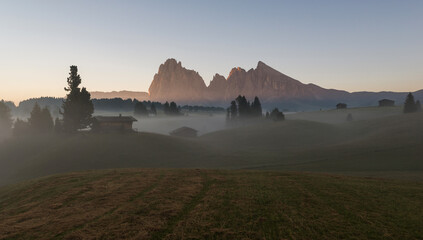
214 120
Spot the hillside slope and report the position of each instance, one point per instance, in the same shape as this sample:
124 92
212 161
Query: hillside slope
390 143
203 204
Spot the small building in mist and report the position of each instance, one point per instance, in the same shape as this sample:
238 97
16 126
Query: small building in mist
341 106
184 132
386 103
113 124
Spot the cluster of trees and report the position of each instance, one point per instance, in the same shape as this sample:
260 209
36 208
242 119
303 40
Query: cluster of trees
196 108
410 105
171 109
39 122
5 118
77 111
275 115
141 110
241 109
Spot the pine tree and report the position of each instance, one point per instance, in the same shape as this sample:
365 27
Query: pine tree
410 104
78 107
58 126
243 106
256 107
418 106
20 128
174 110
153 109
40 120
276 115
5 117
140 110
166 108
233 110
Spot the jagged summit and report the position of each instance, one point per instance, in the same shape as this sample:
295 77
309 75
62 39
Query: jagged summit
176 83
173 82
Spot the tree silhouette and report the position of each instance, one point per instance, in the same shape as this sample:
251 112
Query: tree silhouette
78 107
58 125
140 110
418 106
173 109
20 128
233 110
166 108
256 107
40 120
276 115
410 104
153 109
5 117
243 106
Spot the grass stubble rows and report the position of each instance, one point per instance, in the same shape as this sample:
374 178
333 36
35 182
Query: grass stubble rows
210 204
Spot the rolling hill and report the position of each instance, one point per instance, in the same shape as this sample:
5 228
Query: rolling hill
374 145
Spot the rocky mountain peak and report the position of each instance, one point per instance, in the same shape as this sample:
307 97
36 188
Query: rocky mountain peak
176 83
236 71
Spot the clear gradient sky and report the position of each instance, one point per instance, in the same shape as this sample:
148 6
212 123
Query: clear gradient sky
118 45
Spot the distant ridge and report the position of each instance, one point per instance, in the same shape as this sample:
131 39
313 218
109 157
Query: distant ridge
173 82
141 96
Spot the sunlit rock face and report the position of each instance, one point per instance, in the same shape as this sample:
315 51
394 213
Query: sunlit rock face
176 83
216 91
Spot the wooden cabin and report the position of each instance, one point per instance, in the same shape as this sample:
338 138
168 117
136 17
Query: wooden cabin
386 103
184 132
113 124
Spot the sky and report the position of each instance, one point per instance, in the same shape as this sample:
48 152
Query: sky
119 45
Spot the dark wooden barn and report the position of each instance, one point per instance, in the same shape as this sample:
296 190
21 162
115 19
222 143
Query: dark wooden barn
113 124
184 132
386 103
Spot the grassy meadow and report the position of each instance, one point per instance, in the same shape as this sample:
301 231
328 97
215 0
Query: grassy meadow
374 146
312 176
210 204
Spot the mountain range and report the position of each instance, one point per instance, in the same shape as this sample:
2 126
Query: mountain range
173 82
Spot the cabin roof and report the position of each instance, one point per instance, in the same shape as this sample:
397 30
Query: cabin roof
115 119
386 100
183 129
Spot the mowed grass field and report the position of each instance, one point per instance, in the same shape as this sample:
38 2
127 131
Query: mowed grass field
210 204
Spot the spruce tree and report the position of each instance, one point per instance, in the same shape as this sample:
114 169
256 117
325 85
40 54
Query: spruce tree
78 107
140 109
243 106
418 106
173 109
5 117
410 104
153 109
40 120
276 115
166 108
233 110
256 107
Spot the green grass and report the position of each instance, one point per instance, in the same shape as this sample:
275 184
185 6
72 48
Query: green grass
210 204
391 143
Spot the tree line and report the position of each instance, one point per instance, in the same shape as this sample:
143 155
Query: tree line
241 109
411 105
